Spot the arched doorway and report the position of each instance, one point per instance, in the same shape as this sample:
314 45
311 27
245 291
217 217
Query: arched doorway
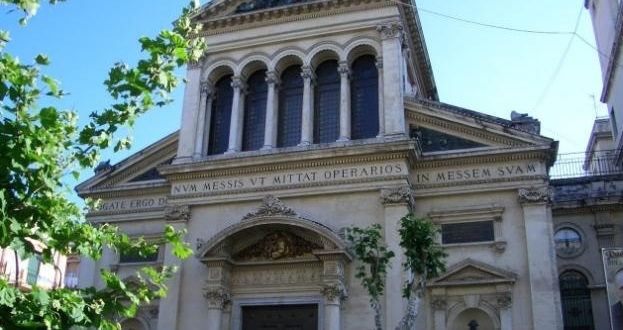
577 311
472 318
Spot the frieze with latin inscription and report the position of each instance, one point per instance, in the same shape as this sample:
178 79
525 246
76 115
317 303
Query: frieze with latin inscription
131 204
477 173
279 179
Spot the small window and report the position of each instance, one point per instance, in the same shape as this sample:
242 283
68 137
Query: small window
136 257
467 232
568 242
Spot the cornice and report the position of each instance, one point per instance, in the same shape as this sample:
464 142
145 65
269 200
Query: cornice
160 187
220 166
284 14
614 55
484 157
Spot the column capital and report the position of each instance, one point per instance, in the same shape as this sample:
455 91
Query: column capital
379 62
344 69
439 303
398 195
272 78
504 300
237 83
218 298
206 88
307 73
535 195
390 30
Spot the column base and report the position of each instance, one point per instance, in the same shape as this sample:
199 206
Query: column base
343 139
304 144
266 147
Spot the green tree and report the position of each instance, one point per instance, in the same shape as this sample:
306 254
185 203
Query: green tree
424 259
40 144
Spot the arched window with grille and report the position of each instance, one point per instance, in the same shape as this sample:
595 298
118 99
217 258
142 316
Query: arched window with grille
290 107
364 98
221 116
575 296
327 103
255 112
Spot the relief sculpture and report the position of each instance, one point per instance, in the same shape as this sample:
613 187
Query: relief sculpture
278 245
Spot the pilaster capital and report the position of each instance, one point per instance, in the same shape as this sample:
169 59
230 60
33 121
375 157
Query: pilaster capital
307 73
218 298
504 300
390 30
334 293
177 213
535 195
398 195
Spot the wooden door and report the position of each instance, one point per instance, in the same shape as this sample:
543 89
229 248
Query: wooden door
280 317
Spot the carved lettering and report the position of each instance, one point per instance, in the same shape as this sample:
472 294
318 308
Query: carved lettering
476 173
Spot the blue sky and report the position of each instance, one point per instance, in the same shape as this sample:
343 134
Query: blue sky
489 70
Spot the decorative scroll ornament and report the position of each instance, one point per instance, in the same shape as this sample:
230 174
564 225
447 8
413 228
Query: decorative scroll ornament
504 300
398 195
271 206
177 213
543 194
278 245
438 303
217 298
334 293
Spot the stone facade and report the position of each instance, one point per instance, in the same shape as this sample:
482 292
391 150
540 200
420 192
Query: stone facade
266 217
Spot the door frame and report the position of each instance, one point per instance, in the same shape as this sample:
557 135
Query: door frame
238 303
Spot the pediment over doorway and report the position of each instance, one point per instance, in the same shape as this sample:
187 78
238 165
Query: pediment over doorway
472 272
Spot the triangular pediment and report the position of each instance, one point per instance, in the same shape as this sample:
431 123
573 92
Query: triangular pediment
137 170
442 127
472 272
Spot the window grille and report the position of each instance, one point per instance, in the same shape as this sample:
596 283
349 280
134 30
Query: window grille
221 116
290 107
327 103
255 112
364 98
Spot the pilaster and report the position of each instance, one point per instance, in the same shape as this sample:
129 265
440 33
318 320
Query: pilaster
541 258
379 68
391 41
202 130
190 111
397 202
177 216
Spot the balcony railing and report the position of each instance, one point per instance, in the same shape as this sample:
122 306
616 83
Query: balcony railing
575 165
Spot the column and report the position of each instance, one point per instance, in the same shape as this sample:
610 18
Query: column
397 202
176 216
379 68
217 301
333 296
439 303
505 302
541 257
202 130
344 101
237 113
270 128
391 42
307 125
333 286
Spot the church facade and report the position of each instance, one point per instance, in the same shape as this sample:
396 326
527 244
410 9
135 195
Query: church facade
308 117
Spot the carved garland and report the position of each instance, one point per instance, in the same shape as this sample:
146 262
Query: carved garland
177 213
538 195
271 206
398 195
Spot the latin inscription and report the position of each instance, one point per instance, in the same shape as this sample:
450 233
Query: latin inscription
476 173
132 204
289 178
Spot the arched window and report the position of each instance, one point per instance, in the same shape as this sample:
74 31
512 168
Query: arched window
577 310
364 98
255 112
290 107
327 103
221 116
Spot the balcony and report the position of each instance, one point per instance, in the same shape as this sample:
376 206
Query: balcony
576 165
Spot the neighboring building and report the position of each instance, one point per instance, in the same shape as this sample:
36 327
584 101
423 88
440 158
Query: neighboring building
587 208
31 271
607 17
307 117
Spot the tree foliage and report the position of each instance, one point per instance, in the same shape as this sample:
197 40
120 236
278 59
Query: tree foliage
423 259
40 144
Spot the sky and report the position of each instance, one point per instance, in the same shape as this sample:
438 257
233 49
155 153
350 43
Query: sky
490 70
